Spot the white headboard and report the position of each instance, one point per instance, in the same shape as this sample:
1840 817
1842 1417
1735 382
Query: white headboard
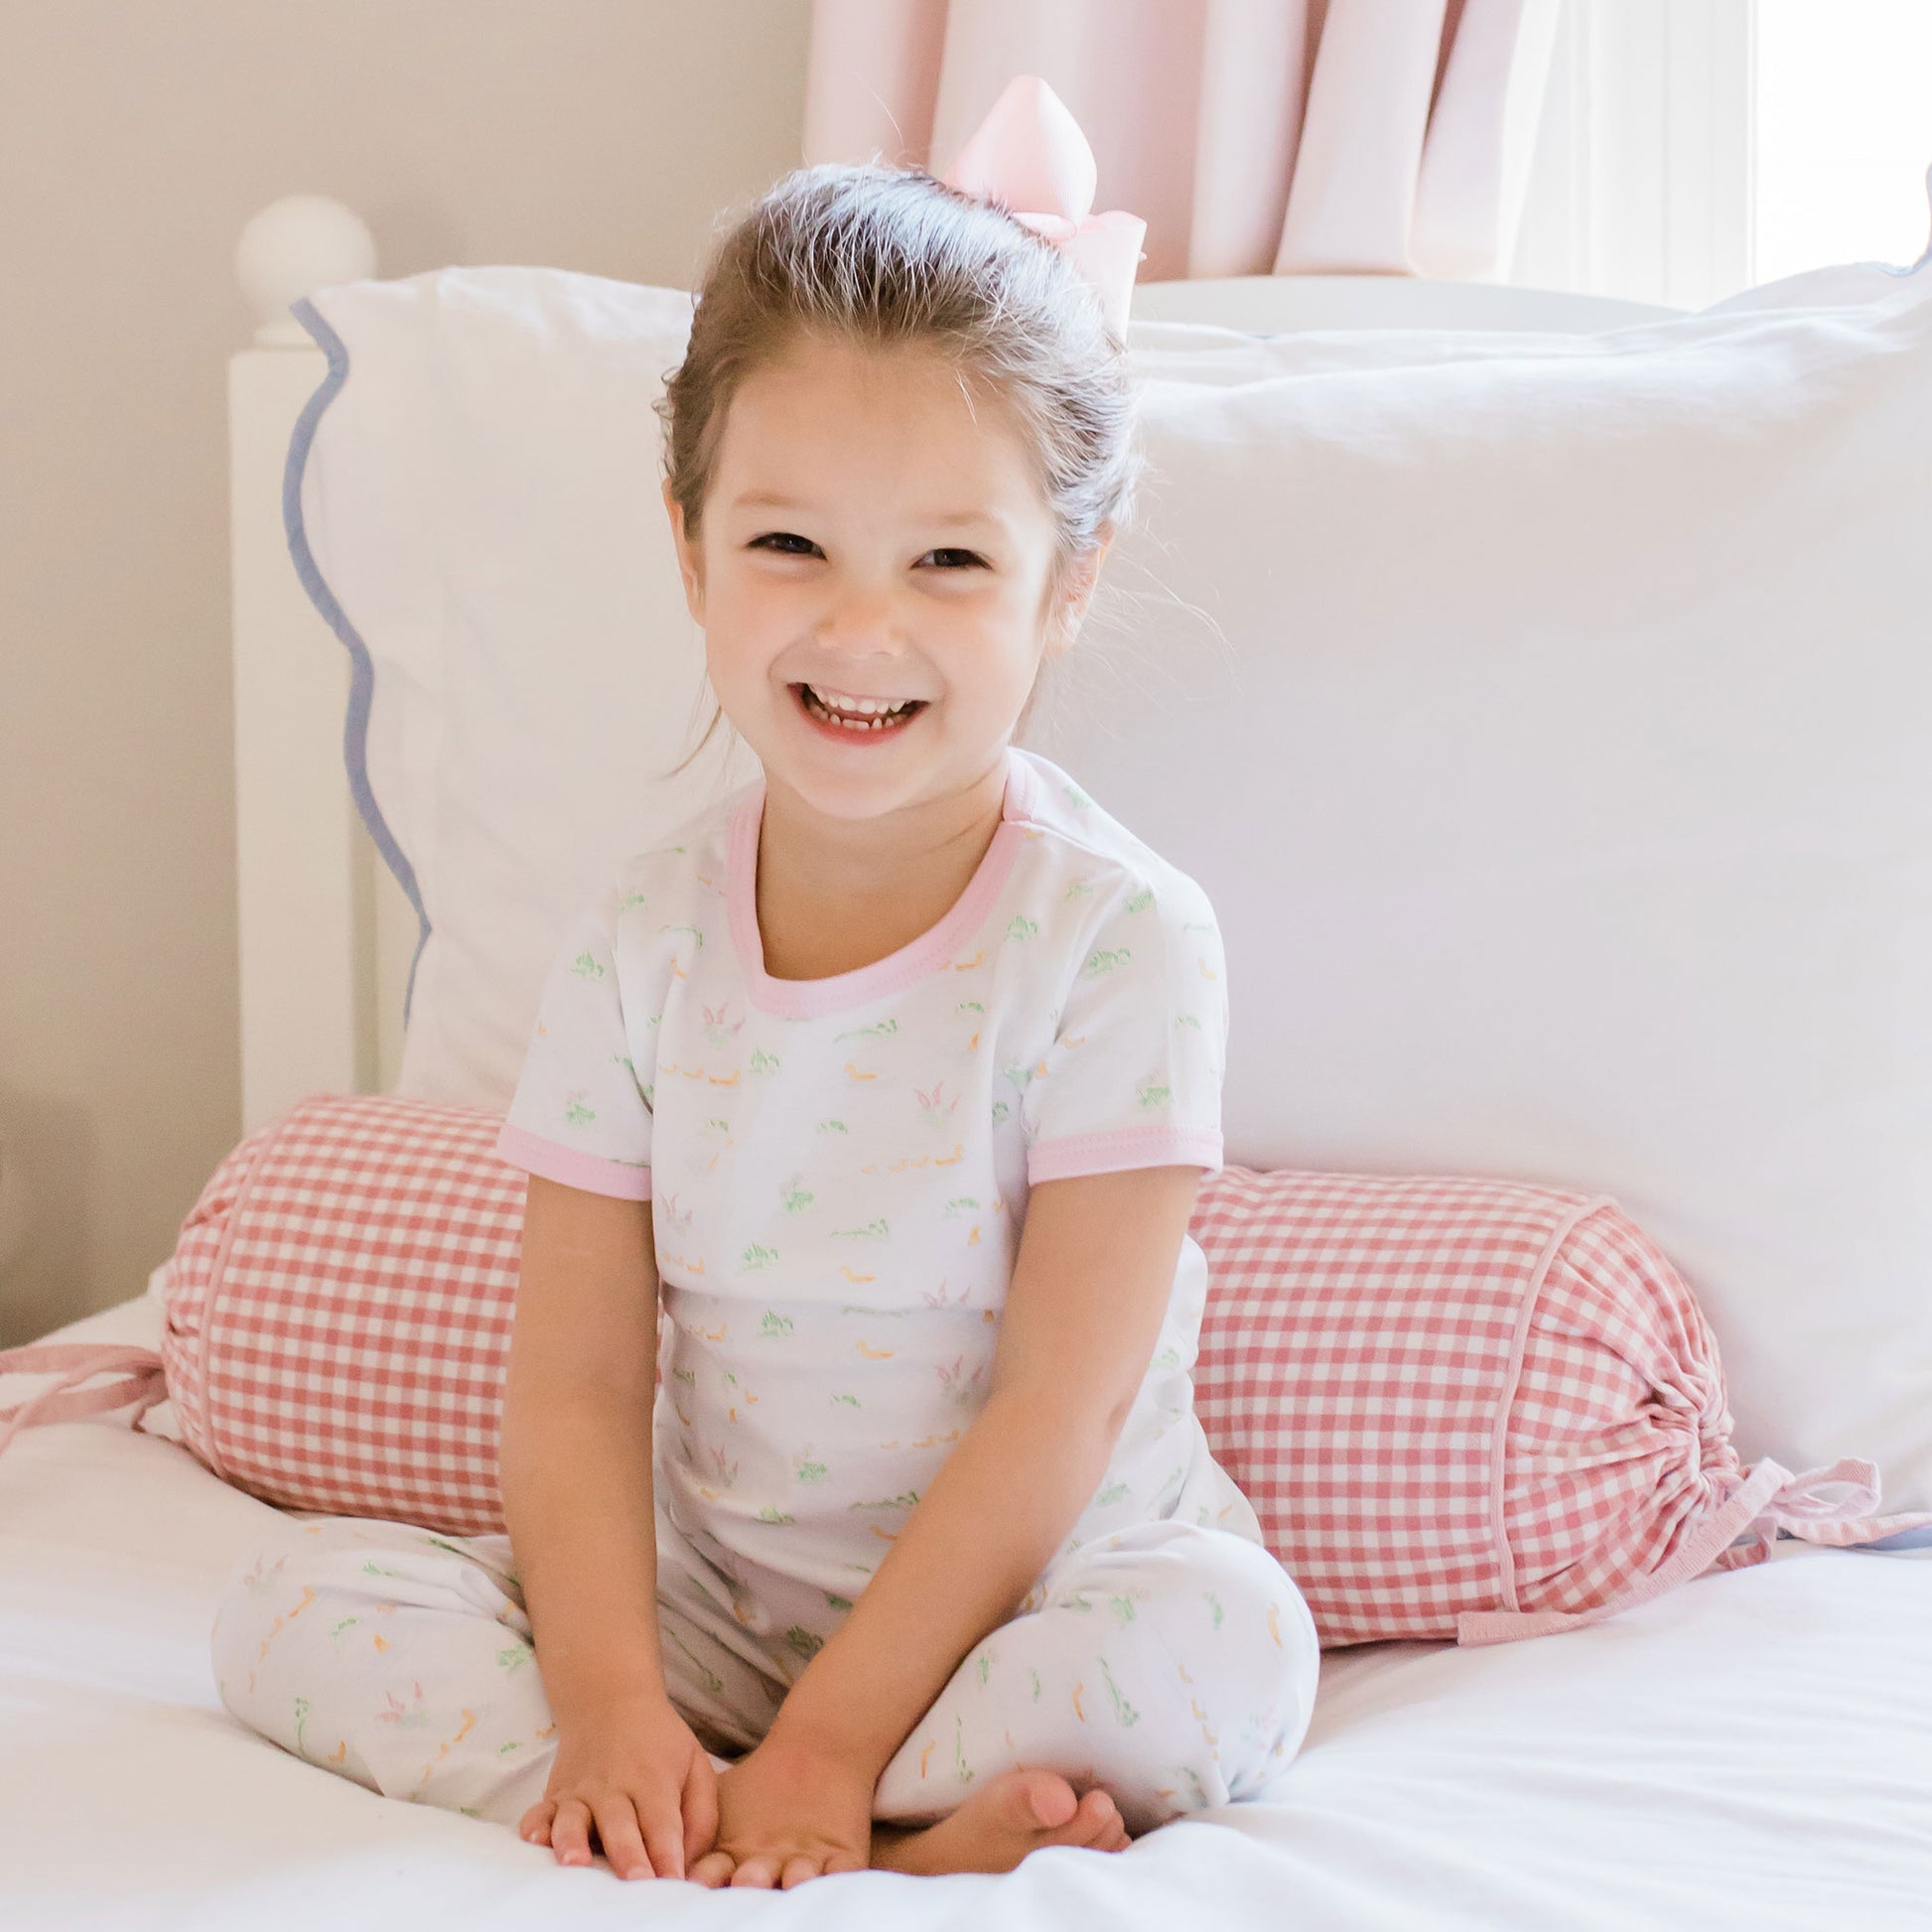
325 935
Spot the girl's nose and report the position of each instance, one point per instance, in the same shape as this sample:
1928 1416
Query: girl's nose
861 621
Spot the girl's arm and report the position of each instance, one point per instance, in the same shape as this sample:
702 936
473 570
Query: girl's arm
1090 1287
575 1472
574 1459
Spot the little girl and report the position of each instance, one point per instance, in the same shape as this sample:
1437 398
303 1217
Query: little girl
888 1081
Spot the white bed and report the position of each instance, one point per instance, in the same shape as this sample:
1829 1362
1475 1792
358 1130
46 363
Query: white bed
1755 1750
1752 1750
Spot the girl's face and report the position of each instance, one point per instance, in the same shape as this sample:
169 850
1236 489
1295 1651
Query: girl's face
867 537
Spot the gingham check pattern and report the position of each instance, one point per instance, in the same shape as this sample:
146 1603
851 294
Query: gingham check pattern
338 1313
1477 1408
1462 1407
1447 1394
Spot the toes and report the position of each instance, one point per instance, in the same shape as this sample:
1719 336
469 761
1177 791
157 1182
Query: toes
1097 1817
711 1870
1047 1802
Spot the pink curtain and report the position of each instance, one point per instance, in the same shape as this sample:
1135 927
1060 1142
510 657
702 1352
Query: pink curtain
1255 137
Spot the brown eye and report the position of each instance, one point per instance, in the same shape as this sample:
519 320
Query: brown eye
972 557
784 536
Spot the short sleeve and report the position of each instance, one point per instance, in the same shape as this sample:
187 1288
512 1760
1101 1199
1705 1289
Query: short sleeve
1133 1077
579 1115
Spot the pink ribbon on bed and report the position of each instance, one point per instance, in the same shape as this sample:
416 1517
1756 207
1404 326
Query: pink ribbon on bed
1029 154
1833 1505
145 1383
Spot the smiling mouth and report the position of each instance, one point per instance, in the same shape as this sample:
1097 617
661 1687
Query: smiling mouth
857 721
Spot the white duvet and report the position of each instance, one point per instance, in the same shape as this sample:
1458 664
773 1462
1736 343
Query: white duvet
1753 1751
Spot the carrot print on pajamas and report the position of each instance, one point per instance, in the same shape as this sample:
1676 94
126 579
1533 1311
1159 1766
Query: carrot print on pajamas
804 1194
443 1749
1200 1717
307 1597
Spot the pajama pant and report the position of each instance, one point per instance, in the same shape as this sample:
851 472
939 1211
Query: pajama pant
1174 1665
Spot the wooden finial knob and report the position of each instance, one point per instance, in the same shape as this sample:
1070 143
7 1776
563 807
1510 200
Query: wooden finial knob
294 246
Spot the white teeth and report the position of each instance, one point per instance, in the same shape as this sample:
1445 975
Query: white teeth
872 714
846 701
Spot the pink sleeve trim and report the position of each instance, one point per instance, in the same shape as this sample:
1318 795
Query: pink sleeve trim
1125 1147
573 1169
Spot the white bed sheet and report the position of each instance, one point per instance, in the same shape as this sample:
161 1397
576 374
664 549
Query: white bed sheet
1752 1751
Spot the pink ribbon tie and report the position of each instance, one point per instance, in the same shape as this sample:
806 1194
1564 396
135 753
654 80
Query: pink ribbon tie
1029 154
144 1382
1834 1506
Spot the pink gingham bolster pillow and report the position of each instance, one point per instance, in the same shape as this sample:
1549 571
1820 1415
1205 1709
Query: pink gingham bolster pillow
1462 1407
338 1317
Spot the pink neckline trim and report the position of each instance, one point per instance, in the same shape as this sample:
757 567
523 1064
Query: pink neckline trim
806 999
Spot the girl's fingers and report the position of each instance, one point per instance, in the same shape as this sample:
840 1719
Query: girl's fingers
536 1821
570 1833
700 1809
712 1869
623 1845
665 1840
798 1869
761 1871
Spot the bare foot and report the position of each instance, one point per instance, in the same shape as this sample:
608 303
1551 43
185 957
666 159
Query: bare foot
1018 1813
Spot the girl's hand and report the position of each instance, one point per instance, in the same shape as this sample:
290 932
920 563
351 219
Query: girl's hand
788 1813
636 1770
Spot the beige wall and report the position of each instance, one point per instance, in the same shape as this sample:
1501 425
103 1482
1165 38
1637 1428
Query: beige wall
136 137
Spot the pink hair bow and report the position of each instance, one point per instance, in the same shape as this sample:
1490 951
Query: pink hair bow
1029 154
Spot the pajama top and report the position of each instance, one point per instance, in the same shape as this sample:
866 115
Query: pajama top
839 1167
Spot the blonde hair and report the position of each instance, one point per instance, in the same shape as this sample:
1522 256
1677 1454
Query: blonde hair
880 257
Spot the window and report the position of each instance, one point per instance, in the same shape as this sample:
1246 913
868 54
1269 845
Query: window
1691 148
1843 108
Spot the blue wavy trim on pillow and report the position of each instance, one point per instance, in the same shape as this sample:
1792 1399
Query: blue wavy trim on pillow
362 677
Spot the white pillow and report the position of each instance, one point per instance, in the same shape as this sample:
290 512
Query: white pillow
474 504
1548 717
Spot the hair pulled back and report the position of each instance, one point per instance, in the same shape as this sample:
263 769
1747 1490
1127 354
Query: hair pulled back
873 256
